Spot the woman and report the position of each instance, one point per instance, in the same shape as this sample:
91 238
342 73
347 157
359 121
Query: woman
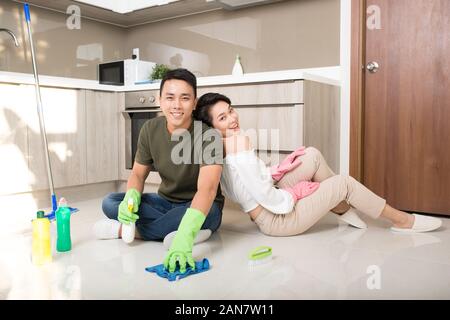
290 198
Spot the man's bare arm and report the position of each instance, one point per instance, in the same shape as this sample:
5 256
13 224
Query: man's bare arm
207 183
138 176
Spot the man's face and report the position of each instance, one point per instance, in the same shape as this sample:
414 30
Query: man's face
177 103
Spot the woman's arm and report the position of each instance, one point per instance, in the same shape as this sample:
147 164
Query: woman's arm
236 143
255 177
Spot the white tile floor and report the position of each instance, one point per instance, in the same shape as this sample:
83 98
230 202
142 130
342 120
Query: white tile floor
330 261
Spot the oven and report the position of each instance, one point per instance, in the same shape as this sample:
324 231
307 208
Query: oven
139 108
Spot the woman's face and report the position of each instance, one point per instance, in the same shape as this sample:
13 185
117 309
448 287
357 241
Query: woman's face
224 118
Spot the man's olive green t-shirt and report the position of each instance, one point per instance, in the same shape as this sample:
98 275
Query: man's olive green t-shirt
178 157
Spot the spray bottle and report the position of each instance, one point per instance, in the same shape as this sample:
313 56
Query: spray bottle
128 230
63 242
41 251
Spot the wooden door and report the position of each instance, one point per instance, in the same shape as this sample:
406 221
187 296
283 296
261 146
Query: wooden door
406 142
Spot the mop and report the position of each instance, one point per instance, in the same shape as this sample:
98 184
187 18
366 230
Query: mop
51 215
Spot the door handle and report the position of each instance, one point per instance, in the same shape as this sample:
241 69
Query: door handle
373 66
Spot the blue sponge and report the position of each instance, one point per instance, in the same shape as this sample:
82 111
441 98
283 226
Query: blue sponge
200 266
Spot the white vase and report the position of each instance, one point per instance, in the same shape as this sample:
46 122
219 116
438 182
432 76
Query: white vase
237 68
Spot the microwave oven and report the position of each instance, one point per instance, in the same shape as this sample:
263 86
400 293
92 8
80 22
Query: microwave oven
125 72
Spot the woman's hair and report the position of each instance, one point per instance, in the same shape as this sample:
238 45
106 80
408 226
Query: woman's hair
205 103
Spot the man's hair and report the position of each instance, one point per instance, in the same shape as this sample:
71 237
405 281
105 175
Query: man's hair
180 74
204 104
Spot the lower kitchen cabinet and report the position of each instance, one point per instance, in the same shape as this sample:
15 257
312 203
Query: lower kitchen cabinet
82 129
86 129
65 123
102 147
14 117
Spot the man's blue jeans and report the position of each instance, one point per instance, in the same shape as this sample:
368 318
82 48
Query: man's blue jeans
158 216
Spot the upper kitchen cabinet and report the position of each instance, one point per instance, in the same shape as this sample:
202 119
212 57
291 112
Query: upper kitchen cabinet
102 133
65 123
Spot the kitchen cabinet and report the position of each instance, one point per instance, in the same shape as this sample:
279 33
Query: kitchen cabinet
102 145
65 123
278 117
270 113
82 134
14 117
273 127
322 120
252 94
86 128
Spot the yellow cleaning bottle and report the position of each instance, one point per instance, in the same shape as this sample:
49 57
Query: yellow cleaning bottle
41 251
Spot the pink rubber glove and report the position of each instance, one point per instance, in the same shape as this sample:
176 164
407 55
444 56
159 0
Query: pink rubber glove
302 189
289 163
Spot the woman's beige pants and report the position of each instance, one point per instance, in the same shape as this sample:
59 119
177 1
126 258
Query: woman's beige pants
307 211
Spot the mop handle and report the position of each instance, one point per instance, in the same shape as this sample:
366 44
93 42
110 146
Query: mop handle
27 11
39 107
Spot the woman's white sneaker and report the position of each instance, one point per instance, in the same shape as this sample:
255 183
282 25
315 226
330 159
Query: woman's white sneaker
421 224
351 217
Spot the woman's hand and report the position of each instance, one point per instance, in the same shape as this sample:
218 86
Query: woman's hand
291 162
302 189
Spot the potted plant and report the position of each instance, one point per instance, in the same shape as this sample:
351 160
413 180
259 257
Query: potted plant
159 70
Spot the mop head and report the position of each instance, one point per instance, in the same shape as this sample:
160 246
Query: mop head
52 215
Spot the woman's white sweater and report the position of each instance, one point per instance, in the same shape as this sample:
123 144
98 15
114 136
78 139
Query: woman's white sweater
247 181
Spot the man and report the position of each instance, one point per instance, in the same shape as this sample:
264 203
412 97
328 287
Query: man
189 197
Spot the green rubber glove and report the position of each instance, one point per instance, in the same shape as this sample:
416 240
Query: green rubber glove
181 248
125 216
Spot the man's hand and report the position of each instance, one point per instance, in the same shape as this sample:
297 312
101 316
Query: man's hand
181 248
125 216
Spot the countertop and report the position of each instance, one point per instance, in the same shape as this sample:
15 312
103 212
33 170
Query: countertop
328 75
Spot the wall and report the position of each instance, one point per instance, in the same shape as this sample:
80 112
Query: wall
287 35
59 51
